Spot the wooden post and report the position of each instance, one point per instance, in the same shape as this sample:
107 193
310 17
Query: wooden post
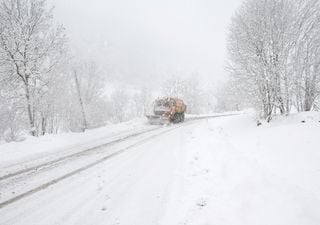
84 124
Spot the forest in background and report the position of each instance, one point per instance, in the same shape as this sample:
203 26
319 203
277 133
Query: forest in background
274 55
45 88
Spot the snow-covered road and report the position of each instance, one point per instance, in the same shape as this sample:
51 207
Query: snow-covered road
215 171
131 187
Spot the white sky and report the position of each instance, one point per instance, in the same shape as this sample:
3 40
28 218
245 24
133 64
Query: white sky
144 41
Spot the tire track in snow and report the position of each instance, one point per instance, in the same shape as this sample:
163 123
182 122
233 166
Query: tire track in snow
56 180
47 164
103 159
74 155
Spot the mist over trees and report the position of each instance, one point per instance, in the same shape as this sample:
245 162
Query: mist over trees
274 58
190 90
38 90
30 50
45 88
274 62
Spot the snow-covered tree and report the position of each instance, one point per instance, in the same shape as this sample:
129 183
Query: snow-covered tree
30 49
194 95
273 47
142 101
174 86
306 54
87 105
189 89
119 100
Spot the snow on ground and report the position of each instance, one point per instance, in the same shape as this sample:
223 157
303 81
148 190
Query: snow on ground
34 148
238 173
17 155
224 170
199 116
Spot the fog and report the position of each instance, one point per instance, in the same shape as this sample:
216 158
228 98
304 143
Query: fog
143 42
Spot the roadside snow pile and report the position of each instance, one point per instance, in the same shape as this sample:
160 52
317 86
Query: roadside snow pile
274 171
224 170
198 116
304 117
242 174
34 148
48 147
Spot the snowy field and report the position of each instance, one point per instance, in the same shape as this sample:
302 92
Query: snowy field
223 170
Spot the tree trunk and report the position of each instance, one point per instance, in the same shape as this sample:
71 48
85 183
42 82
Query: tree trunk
43 124
307 105
29 110
281 106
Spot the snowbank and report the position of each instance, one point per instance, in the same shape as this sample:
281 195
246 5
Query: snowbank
239 173
224 170
33 148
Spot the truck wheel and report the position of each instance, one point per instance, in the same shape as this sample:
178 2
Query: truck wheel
176 118
182 117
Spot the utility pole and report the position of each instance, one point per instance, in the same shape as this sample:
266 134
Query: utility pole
84 119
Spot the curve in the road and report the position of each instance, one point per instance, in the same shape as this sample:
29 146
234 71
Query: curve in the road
67 175
56 180
38 167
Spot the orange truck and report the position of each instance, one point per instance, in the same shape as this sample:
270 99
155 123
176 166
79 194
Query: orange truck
167 110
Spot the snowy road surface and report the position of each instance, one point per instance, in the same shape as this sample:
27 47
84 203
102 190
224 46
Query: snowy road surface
218 171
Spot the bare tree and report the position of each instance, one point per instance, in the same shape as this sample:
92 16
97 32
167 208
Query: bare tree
306 54
119 99
30 46
272 46
174 86
90 88
142 101
189 89
193 94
